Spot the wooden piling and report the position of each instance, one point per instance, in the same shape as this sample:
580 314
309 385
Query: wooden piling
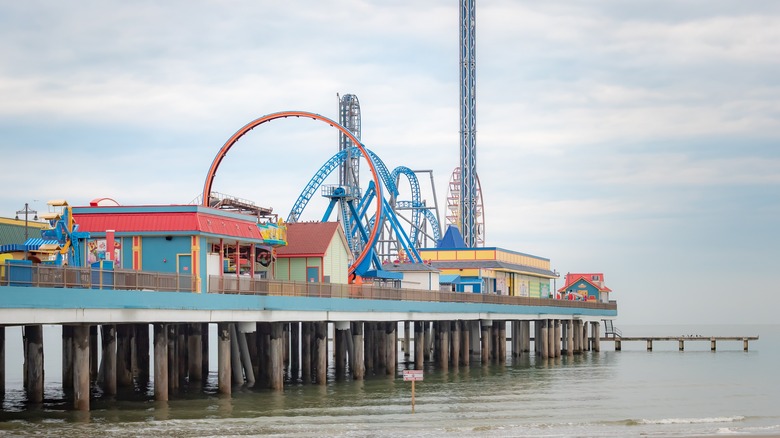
67 357
295 351
161 362
277 356
321 339
2 362
108 361
224 379
485 339
80 343
465 336
33 335
596 328
392 347
557 337
456 344
419 345
195 354
359 370
124 348
142 353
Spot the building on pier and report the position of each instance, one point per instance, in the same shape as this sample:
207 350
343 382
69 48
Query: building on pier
315 252
489 270
585 287
190 240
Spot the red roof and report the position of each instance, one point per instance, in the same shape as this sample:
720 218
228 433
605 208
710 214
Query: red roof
162 222
308 239
596 279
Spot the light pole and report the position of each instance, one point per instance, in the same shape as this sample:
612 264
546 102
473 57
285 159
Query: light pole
26 212
555 285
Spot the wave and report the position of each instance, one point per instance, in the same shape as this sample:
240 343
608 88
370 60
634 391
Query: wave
731 419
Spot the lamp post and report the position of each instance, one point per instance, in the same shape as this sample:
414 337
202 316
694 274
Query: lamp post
26 212
555 285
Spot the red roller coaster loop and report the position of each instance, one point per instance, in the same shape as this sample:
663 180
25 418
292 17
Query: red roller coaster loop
284 114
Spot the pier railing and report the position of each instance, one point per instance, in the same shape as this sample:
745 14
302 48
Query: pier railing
248 286
40 275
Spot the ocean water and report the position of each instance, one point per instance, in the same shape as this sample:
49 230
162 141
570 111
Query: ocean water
663 393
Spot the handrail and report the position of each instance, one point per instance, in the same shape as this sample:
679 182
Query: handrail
248 286
41 275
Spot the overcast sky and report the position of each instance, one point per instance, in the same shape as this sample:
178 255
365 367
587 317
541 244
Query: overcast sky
638 139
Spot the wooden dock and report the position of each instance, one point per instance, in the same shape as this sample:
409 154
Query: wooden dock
681 340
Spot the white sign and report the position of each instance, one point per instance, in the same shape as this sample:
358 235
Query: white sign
413 375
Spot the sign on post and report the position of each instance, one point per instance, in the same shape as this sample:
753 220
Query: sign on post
413 376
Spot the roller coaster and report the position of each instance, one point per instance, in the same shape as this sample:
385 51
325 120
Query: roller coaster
375 236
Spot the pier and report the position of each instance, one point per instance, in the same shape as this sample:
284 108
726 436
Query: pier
681 340
271 333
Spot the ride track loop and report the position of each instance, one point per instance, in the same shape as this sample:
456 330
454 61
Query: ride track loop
358 263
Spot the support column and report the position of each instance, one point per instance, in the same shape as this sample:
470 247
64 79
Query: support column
485 339
67 357
544 341
33 335
161 362
93 358
340 349
224 379
596 336
570 337
263 354
2 363
428 340
124 370
277 356
295 350
236 372
142 353
444 355
173 357
204 348
585 338
419 345
305 352
80 343
455 330
369 346
407 341
712 344
557 338
321 340
465 336
359 370
246 359
108 361
502 341
195 354
392 347
577 335
525 329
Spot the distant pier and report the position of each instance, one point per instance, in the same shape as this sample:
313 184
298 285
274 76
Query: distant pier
681 340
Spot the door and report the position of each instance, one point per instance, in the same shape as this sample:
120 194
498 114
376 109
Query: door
184 269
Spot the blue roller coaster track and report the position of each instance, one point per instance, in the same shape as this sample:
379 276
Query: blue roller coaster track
355 217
